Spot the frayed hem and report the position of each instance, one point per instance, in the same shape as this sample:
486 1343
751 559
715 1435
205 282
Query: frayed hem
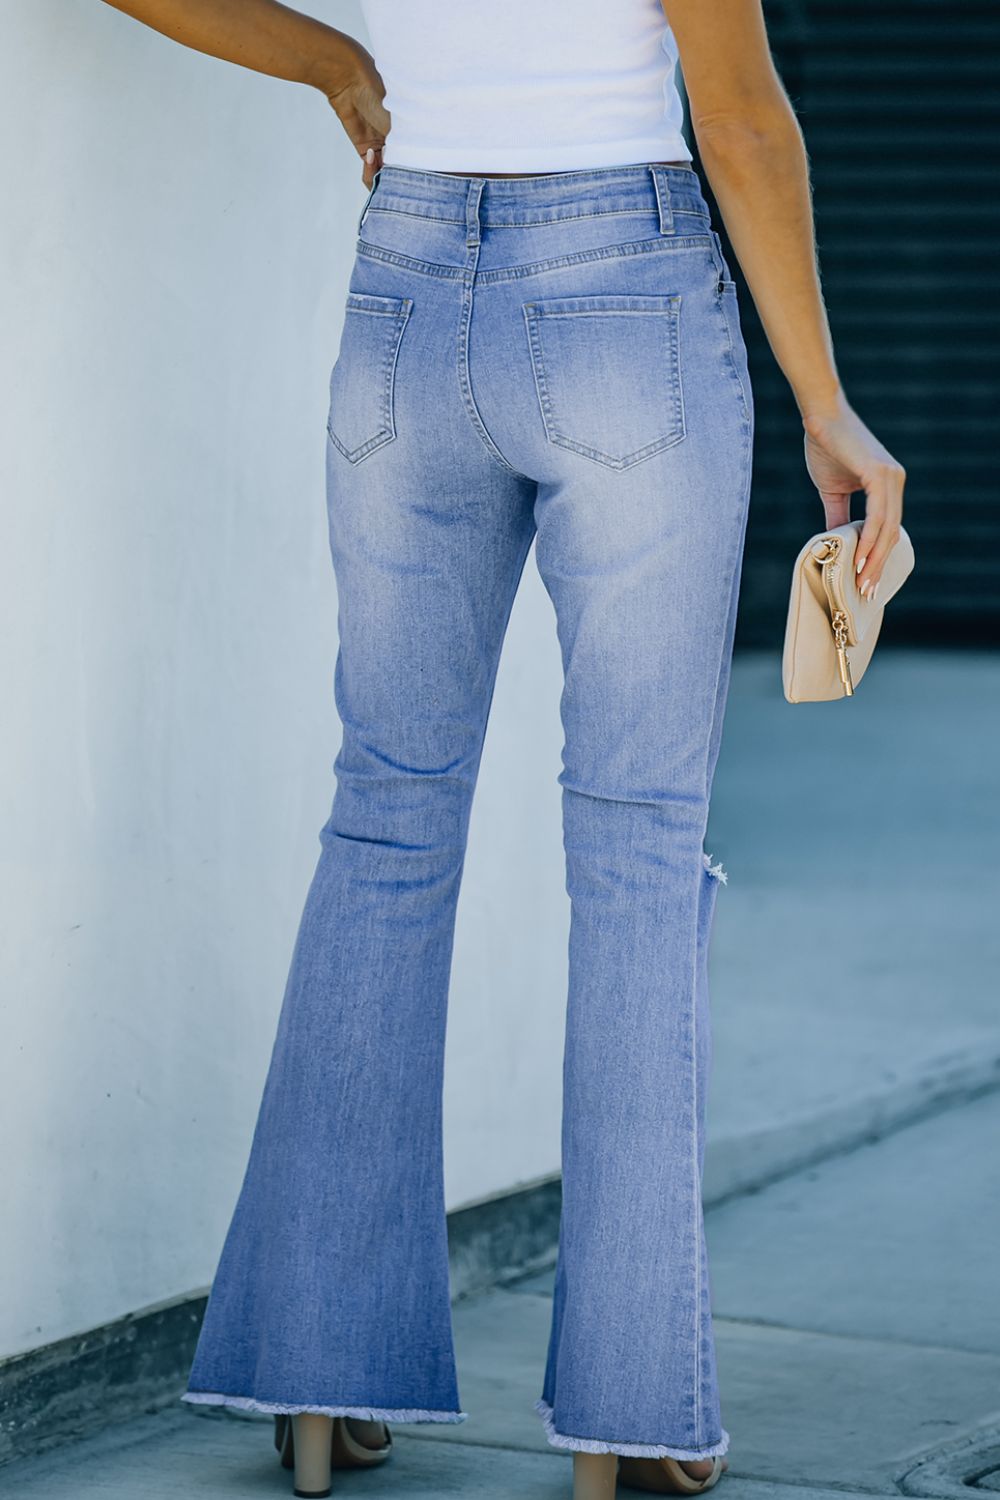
362 1413
716 871
626 1450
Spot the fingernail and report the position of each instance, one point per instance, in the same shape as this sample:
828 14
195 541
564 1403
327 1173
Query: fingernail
370 154
875 592
860 564
865 588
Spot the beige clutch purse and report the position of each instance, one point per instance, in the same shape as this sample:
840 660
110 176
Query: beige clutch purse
831 630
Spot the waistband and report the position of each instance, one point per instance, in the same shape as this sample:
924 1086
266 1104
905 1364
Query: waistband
541 199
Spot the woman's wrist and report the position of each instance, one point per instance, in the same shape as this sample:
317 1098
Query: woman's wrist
336 62
822 404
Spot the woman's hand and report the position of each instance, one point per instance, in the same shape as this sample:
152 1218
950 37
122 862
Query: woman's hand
358 105
843 456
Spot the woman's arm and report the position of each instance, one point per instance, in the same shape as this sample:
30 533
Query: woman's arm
272 38
753 154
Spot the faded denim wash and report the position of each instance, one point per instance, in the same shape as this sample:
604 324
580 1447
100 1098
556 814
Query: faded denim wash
558 359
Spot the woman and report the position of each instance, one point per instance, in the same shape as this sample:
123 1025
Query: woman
541 342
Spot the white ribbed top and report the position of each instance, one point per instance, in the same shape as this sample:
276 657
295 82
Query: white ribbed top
526 85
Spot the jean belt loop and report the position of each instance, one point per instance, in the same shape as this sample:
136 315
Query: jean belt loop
364 211
661 187
472 197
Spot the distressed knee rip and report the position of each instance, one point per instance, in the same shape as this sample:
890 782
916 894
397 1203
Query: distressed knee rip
716 871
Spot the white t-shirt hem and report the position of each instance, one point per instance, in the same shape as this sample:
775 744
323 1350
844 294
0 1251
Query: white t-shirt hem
568 158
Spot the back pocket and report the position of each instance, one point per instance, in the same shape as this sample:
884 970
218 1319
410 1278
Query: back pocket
362 383
607 372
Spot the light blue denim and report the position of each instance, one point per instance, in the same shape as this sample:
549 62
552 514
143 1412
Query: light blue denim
559 359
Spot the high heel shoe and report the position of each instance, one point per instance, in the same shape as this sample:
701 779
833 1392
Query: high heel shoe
664 1476
345 1452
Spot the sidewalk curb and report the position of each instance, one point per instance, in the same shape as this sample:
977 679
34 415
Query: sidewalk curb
742 1164
954 1468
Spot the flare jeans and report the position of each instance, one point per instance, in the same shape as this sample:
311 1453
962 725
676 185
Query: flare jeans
554 359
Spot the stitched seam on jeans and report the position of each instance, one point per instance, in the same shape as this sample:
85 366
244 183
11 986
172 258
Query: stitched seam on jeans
409 262
696 1197
731 347
601 213
676 369
465 384
746 433
657 245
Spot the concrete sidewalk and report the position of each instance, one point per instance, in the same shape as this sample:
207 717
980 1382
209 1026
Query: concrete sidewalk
854 960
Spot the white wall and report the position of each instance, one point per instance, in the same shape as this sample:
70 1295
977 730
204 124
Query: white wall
177 237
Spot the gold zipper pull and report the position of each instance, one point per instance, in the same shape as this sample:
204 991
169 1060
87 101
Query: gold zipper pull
827 548
839 624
